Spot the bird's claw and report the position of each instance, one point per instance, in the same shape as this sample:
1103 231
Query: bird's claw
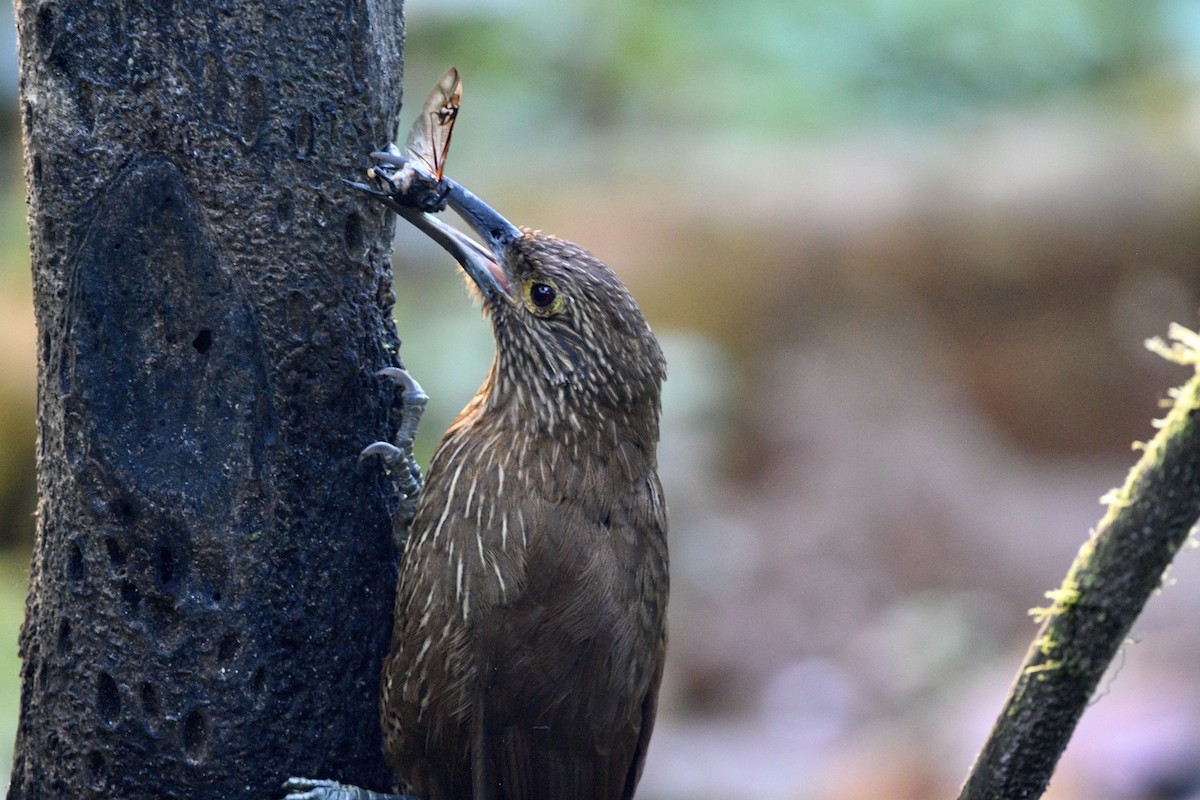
399 455
371 190
404 380
312 789
385 450
320 789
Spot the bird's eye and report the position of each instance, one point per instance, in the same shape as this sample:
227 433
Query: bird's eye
542 295
542 298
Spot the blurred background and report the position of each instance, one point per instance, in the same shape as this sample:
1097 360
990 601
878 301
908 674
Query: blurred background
902 256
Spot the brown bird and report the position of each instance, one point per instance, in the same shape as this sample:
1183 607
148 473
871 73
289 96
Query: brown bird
529 632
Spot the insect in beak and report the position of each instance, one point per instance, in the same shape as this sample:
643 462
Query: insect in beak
413 185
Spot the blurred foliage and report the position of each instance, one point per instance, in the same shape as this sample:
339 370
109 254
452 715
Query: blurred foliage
545 82
17 337
781 66
13 582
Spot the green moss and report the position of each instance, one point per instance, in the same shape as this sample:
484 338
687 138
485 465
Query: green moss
1039 671
1185 349
1080 581
1067 596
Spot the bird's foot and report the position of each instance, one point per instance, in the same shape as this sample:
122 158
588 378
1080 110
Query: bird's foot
399 455
319 789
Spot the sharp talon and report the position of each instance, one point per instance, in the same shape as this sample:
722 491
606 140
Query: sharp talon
385 450
320 789
399 455
302 783
401 377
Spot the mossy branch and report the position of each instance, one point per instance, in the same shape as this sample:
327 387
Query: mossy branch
1116 571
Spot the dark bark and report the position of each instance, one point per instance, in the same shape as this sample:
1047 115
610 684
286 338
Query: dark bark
212 579
1115 573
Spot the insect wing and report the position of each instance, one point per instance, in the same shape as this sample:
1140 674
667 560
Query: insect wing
429 140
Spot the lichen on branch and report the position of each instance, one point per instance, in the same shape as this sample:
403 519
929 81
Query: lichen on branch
1116 570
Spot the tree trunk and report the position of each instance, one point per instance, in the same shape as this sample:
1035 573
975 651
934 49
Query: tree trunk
213 575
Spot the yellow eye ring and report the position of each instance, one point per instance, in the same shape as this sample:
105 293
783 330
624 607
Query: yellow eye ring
542 298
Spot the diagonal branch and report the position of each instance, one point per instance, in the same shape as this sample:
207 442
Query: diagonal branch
1117 569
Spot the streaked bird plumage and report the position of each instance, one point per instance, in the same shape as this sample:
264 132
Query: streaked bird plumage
529 633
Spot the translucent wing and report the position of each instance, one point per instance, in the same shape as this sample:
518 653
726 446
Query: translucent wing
429 139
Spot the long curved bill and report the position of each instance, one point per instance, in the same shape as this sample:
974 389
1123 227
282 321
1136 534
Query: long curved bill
410 198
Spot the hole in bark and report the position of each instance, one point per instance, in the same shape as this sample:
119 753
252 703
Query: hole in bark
95 769
258 681
149 697
297 310
62 643
285 209
164 561
123 509
353 234
195 736
85 103
131 598
203 341
228 648
253 111
108 699
76 570
45 25
304 135
116 556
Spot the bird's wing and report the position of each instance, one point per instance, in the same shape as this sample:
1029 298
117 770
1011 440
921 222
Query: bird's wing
574 661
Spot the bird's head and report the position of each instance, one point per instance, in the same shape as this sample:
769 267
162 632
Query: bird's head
572 347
